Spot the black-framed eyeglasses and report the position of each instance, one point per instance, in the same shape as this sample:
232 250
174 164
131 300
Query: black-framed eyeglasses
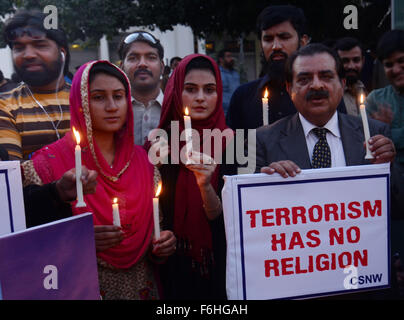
136 35
33 33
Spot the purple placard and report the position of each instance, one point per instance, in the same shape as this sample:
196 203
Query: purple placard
55 261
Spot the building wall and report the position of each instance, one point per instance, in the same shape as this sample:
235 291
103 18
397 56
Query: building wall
6 62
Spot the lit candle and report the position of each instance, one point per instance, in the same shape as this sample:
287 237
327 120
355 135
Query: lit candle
265 108
156 212
188 134
77 156
115 213
365 127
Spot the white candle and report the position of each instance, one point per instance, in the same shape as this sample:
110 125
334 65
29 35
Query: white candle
364 117
265 108
188 133
156 213
115 213
77 156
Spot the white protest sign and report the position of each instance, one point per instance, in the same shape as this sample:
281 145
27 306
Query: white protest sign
322 232
12 213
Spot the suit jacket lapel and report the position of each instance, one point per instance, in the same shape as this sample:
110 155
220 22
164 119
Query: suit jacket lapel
352 140
293 143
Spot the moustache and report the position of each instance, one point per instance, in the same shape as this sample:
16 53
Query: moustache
276 53
28 63
137 72
320 94
351 71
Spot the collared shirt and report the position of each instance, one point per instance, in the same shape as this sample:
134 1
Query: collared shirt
230 81
146 118
333 137
351 97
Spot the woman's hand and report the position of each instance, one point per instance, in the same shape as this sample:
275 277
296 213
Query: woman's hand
107 237
166 245
203 167
66 185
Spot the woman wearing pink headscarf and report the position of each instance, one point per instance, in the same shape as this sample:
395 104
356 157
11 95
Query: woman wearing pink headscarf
190 200
100 107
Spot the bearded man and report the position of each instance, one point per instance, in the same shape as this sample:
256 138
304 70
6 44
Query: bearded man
351 54
36 113
282 30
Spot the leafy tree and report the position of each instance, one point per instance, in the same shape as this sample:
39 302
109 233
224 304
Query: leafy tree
90 19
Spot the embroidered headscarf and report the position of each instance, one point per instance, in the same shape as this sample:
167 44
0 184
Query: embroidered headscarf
130 178
190 223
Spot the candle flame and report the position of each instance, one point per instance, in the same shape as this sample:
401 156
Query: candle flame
115 200
159 189
77 135
362 99
186 111
266 94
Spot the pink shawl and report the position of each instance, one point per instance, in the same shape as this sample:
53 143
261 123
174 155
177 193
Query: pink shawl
190 222
130 179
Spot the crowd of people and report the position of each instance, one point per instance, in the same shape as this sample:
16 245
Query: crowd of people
313 122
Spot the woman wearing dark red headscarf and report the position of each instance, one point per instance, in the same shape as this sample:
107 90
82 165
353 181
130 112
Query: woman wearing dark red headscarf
190 202
100 107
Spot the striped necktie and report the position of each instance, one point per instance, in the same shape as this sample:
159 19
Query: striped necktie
321 152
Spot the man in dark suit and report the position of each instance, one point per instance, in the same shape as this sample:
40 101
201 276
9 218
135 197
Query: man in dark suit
318 135
282 31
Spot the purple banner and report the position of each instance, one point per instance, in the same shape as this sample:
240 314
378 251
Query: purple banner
55 261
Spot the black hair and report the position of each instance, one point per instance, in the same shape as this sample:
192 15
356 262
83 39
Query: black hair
35 19
106 68
1 76
389 43
347 43
174 59
274 15
221 53
124 47
311 50
200 63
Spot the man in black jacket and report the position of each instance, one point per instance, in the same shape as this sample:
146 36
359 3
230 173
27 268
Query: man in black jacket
282 32
318 136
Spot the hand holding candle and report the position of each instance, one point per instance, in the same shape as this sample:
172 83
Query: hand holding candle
265 108
365 126
188 134
156 212
115 213
77 156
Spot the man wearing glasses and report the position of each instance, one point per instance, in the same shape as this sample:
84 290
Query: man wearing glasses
141 57
36 113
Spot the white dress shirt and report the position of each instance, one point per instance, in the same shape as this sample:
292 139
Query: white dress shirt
146 118
333 137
